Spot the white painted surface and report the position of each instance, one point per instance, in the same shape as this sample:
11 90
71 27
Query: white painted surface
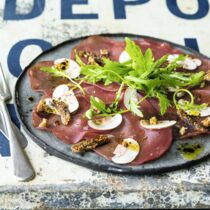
153 19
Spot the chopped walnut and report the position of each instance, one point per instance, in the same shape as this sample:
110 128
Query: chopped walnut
182 130
206 122
56 107
153 120
42 107
43 123
63 111
207 76
104 52
91 60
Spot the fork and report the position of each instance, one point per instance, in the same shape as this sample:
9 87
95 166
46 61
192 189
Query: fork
22 168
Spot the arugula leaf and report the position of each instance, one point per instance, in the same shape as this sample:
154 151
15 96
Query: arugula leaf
137 57
188 106
100 109
55 72
135 109
141 72
97 104
114 104
78 59
196 78
58 73
164 102
158 63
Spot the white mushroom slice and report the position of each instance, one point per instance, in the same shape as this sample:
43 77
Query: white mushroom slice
159 125
205 112
126 152
69 66
172 57
189 63
106 123
60 91
124 57
49 102
63 93
197 61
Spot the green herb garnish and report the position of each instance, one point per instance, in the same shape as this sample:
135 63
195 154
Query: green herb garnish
188 106
99 109
59 73
143 73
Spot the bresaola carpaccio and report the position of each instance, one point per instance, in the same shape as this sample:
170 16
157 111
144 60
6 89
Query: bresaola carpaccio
153 143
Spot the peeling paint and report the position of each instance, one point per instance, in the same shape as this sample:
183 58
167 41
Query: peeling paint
63 185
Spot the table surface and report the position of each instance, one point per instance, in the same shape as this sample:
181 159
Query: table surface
29 27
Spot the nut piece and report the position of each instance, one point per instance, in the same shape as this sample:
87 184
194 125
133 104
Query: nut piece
206 122
207 76
182 130
104 52
153 121
91 60
43 107
53 106
43 123
63 111
86 145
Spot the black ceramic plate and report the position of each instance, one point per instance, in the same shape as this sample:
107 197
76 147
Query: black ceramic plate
170 161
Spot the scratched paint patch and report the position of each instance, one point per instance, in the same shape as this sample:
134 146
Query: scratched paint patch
185 188
66 31
24 6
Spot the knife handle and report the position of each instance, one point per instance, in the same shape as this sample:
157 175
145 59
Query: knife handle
21 166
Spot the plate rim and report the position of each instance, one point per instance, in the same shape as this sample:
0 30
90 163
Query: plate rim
89 164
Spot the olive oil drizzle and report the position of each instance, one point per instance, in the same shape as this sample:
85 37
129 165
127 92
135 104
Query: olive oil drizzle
190 151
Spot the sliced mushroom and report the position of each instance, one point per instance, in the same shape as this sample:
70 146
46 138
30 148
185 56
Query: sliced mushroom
205 112
172 57
63 93
69 66
160 124
124 56
126 152
106 123
189 63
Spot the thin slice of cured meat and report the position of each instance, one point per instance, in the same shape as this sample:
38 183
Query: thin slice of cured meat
95 43
78 129
74 131
153 144
41 81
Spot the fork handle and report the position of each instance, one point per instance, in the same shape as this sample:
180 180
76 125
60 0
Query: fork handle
21 166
